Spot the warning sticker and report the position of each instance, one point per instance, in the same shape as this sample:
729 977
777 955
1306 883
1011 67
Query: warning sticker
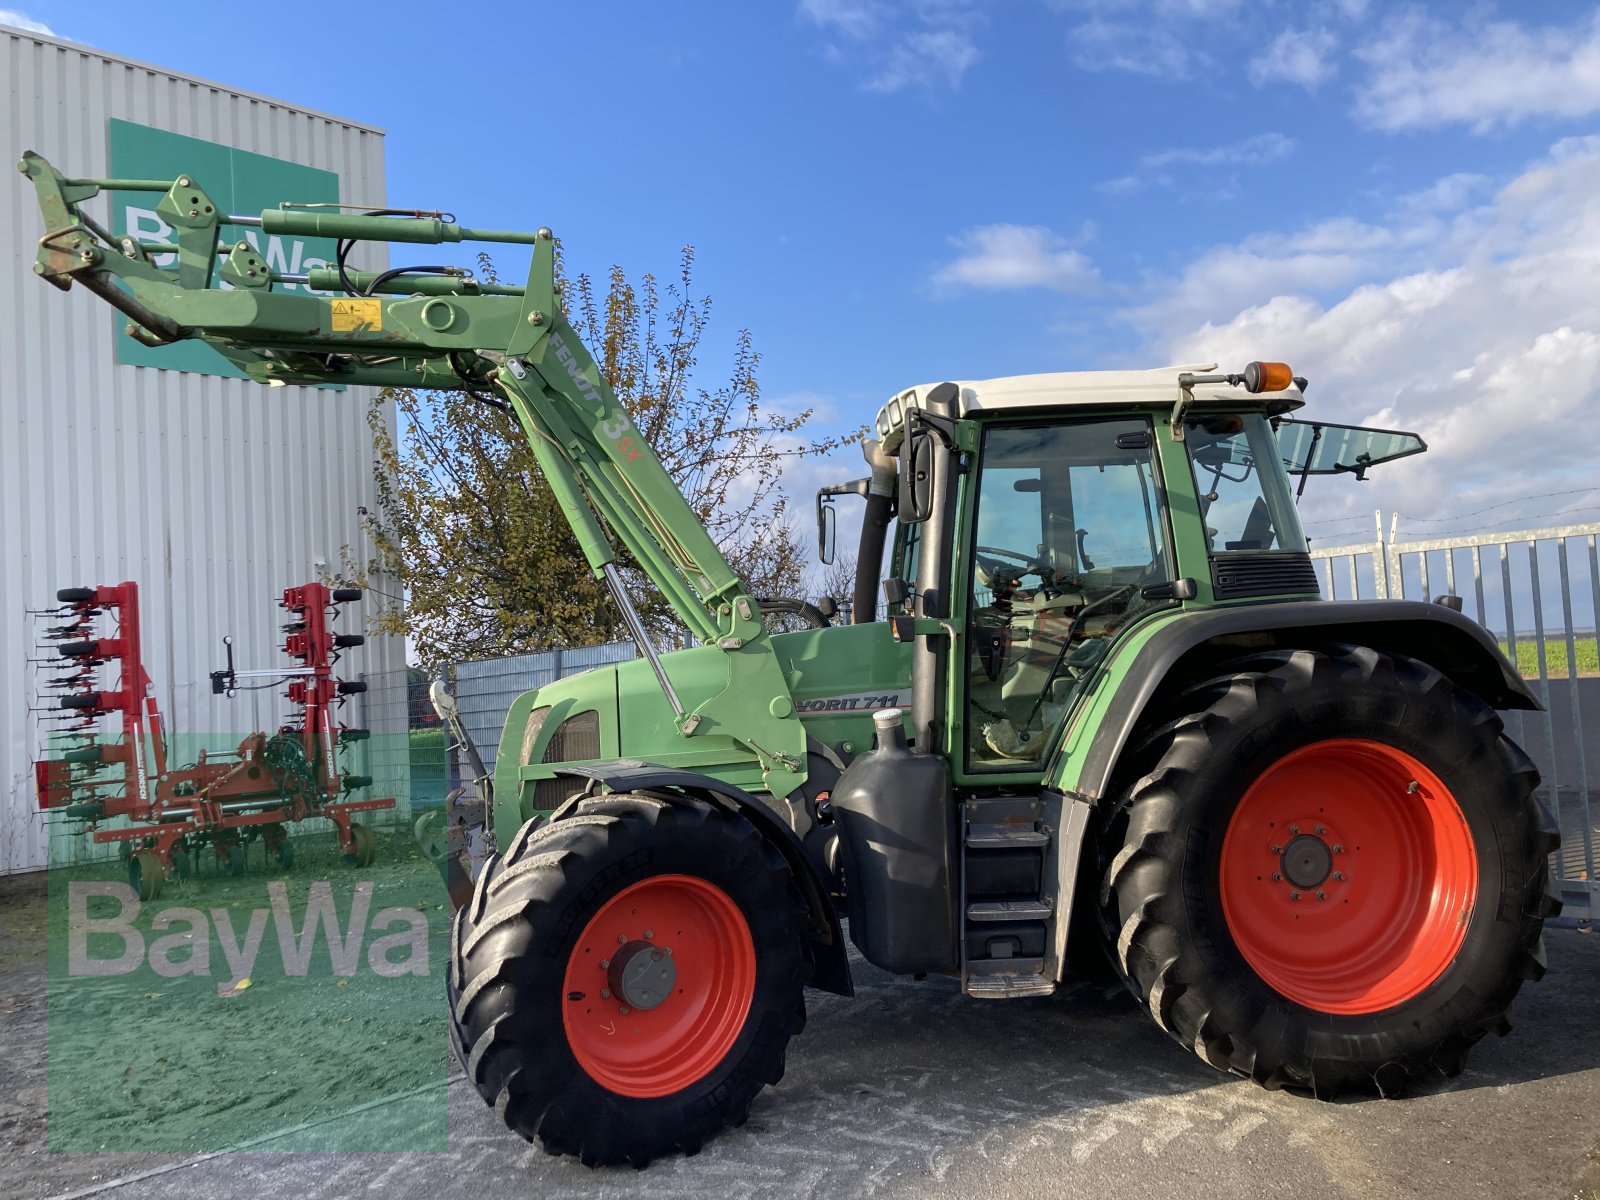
349 315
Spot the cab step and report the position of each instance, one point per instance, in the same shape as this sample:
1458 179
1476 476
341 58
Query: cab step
1005 837
1009 910
1009 986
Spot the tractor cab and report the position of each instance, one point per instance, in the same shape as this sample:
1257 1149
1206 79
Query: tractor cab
1071 507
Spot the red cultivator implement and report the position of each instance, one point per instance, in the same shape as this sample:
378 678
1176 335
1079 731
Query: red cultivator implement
222 800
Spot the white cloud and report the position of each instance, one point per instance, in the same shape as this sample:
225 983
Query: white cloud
21 20
1253 151
1157 168
1144 48
1425 73
900 44
1163 39
1017 256
928 58
851 18
1479 329
1304 57
1449 194
1156 10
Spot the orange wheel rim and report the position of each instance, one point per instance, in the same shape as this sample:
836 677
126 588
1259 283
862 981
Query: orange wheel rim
658 986
1348 876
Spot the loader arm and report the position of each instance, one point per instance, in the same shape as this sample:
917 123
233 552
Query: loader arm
440 328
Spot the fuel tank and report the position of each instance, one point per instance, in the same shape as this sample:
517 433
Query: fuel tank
897 825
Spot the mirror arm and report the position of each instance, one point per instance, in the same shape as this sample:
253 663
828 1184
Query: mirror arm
943 426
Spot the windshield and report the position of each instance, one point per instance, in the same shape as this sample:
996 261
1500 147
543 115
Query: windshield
1244 508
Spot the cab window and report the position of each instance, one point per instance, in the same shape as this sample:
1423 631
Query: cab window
1243 508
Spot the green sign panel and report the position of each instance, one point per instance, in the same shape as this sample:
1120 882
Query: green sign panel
239 182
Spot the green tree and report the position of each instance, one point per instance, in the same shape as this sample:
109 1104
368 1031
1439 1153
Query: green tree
473 555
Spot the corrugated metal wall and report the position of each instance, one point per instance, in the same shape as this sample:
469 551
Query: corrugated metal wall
214 494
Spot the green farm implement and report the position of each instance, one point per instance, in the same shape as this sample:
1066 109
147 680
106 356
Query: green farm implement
1103 709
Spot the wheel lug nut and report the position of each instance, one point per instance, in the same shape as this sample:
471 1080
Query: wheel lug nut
1294 895
649 933
1338 849
622 939
624 1010
605 993
1277 849
1339 876
1294 829
1322 895
1321 829
1277 877
604 963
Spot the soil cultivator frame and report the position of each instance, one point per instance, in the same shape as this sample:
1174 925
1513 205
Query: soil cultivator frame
222 800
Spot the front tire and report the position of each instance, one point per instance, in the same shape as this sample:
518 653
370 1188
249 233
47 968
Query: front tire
1332 874
625 981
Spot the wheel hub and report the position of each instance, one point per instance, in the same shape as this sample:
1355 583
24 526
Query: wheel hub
637 1025
1306 861
642 975
1348 873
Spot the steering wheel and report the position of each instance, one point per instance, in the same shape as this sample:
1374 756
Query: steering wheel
1030 559
1001 571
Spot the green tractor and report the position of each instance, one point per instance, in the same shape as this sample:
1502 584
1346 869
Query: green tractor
1104 710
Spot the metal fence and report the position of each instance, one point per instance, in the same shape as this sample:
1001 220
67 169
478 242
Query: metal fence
1538 592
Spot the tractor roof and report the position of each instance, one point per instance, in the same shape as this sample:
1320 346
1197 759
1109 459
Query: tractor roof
1023 394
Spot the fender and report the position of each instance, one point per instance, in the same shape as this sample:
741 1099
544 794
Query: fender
824 937
1446 640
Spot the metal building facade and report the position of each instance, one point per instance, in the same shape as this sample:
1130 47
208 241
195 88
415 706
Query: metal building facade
214 494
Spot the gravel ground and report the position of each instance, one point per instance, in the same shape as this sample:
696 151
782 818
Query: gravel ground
911 1089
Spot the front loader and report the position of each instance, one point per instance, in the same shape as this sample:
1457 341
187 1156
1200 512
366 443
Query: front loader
1104 709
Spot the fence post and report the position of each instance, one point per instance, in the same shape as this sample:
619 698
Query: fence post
1380 560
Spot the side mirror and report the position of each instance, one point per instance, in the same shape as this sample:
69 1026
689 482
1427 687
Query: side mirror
916 477
827 522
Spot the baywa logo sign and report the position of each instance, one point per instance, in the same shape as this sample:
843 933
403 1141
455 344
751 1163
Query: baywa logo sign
280 1013
239 182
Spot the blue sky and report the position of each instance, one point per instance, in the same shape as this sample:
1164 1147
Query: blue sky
1401 200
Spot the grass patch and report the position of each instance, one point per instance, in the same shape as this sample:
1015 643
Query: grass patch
163 1052
1555 657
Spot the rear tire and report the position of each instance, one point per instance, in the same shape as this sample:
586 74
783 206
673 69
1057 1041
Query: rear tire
1332 874
540 1025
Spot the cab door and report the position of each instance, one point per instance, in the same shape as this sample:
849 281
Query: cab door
1065 533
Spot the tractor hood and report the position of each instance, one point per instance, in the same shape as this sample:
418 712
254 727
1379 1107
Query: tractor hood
838 677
